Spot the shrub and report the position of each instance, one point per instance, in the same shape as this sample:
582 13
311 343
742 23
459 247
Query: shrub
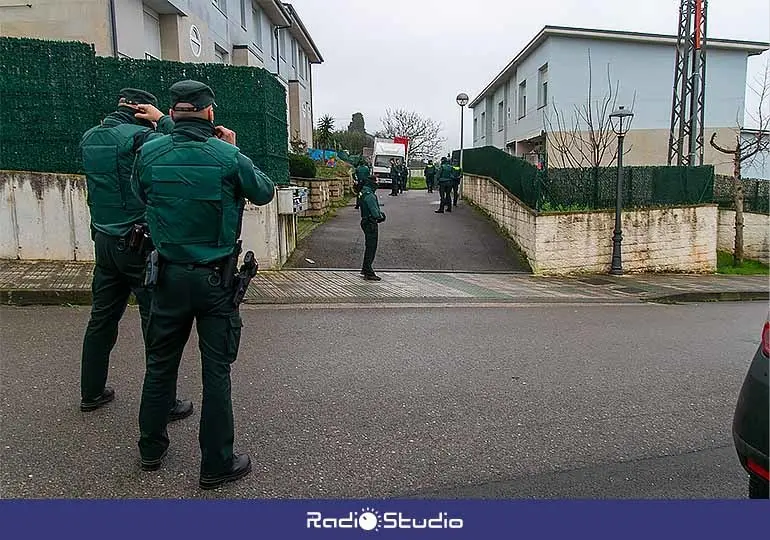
301 166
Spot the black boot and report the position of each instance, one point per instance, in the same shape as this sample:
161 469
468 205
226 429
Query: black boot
107 395
240 468
182 409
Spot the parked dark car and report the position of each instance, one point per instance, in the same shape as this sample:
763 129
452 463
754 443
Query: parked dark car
750 423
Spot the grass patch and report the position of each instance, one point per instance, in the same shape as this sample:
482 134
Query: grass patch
747 268
340 170
417 182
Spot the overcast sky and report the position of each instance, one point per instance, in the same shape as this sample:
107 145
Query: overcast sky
419 54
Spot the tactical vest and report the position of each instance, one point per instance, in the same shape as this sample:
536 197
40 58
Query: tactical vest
445 173
108 157
192 194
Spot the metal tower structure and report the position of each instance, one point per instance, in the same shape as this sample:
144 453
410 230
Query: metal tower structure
685 145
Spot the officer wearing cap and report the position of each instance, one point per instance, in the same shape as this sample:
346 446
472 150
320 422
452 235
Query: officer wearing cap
119 233
445 179
195 183
360 176
430 175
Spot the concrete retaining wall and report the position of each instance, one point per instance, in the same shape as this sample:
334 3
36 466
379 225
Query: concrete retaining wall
680 239
44 216
756 233
323 193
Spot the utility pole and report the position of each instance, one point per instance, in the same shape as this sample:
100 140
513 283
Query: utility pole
686 144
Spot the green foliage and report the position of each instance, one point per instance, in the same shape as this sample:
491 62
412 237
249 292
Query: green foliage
725 265
324 135
301 166
548 206
54 91
352 142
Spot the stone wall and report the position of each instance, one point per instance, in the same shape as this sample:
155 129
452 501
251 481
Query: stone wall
45 216
756 230
682 239
323 192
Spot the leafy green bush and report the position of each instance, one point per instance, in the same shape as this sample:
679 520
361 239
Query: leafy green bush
301 166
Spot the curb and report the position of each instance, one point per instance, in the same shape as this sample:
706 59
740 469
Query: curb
82 297
45 297
723 296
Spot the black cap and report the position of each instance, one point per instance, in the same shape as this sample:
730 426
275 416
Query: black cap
197 94
135 96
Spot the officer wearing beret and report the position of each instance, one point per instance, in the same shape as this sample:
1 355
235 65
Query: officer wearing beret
195 183
119 234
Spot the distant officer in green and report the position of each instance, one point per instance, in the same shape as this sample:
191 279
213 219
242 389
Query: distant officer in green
430 175
371 217
404 176
457 175
360 176
445 179
120 237
395 178
195 183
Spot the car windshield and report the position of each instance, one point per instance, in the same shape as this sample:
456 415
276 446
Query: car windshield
384 161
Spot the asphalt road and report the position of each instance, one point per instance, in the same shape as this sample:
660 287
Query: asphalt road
613 401
412 238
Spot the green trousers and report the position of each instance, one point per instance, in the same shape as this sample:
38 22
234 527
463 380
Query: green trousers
370 229
185 295
117 273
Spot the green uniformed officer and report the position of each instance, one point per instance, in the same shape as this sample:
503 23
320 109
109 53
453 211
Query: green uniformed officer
404 170
457 175
430 175
119 233
395 178
195 182
371 217
360 175
445 186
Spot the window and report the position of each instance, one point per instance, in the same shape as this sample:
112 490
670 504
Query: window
282 36
475 128
256 23
483 125
272 41
220 55
542 86
293 53
243 14
500 116
220 4
151 34
301 65
523 99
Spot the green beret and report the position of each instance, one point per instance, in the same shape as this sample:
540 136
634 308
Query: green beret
195 93
135 96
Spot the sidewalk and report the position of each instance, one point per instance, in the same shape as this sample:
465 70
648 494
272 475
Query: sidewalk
47 282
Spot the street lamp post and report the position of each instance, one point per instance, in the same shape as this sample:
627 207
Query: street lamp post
462 101
621 122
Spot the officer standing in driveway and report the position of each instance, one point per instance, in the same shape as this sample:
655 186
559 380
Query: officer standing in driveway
360 176
457 175
445 176
371 217
430 175
395 178
120 237
195 183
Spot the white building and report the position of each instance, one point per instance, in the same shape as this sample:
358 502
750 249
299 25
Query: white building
515 111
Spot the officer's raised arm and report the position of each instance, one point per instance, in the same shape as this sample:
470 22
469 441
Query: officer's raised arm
255 185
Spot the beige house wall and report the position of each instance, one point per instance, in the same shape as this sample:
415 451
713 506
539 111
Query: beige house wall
64 20
650 147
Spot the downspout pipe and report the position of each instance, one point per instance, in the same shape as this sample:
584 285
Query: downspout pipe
114 28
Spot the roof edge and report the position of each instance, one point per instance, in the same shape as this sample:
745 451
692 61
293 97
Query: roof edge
750 47
316 57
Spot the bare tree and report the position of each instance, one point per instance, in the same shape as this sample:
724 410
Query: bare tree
584 140
424 134
749 145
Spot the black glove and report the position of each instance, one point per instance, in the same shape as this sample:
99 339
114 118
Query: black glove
381 218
